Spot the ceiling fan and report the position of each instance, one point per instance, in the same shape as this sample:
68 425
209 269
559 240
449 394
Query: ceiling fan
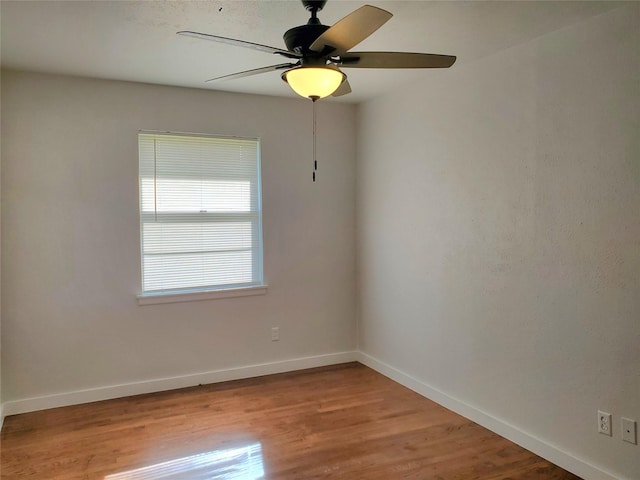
316 52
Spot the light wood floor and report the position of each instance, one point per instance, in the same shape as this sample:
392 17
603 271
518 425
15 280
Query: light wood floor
345 422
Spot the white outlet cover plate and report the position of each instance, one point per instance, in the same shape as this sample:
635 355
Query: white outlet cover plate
604 423
629 430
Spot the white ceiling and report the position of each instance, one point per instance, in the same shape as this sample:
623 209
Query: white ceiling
137 41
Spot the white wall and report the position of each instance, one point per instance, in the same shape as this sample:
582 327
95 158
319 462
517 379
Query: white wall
499 235
1 412
70 236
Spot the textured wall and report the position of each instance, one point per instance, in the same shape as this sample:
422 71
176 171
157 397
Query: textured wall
499 234
70 246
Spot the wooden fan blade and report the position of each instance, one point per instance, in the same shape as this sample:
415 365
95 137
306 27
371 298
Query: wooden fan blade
255 71
351 30
241 43
395 60
343 89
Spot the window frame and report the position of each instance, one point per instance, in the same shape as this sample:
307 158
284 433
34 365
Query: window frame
187 294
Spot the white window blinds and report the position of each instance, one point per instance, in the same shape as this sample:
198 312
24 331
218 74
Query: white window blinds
200 218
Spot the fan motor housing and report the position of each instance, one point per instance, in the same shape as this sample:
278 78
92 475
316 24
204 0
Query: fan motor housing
299 39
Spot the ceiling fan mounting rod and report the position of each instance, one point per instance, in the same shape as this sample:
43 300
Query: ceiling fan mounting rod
314 7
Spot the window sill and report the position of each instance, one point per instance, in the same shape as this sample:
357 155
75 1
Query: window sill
152 299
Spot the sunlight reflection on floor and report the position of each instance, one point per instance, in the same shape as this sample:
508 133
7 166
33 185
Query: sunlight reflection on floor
240 463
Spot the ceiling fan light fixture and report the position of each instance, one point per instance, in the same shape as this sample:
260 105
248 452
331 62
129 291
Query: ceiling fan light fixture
314 82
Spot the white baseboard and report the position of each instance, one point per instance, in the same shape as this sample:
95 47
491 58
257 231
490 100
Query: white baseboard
539 447
150 386
545 450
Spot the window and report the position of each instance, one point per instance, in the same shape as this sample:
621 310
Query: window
200 217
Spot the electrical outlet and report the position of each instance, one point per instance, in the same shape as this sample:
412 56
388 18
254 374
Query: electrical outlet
604 423
628 428
275 334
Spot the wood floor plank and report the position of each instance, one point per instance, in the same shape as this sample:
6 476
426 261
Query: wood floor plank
340 422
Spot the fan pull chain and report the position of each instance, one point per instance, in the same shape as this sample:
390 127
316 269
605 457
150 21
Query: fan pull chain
315 161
